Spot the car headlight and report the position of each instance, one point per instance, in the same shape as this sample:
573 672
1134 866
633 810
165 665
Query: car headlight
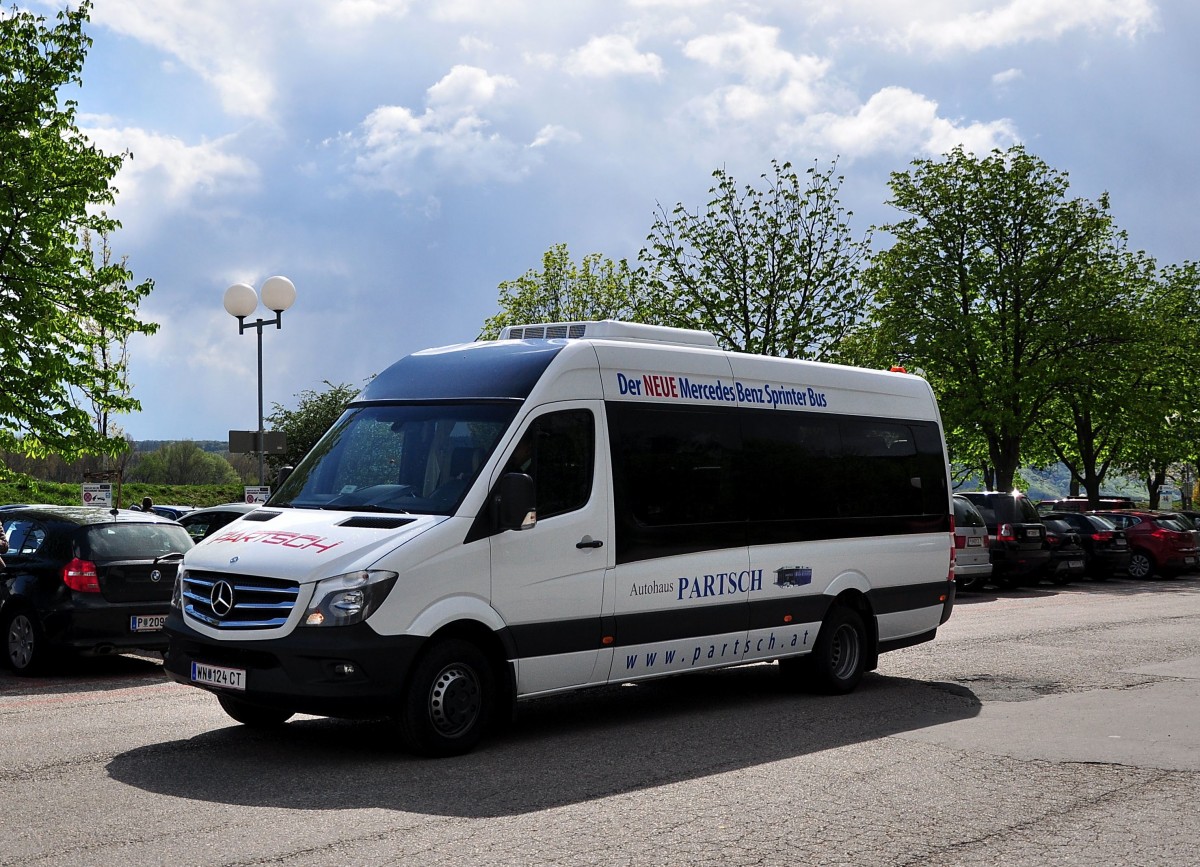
350 598
177 590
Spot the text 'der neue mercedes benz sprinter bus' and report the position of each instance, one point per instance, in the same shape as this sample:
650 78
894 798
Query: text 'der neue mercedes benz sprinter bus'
568 506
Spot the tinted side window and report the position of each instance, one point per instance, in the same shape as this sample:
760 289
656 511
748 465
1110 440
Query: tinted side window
677 466
787 464
25 537
558 451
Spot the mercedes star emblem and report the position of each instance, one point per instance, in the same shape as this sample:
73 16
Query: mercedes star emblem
222 598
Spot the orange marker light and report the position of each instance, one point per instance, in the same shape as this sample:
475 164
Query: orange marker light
787 618
608 639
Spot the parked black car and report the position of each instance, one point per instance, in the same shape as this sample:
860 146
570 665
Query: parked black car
202 523
1105 547
1067 557
86 580
1019 548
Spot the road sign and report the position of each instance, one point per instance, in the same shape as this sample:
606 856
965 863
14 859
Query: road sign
245 442
258 494
96 494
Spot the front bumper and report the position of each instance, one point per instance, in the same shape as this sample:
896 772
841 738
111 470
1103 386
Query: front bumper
343 671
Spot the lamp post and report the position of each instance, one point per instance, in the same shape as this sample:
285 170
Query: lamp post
278 294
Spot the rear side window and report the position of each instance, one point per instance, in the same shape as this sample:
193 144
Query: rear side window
25 537
965 514
134 541
1026 512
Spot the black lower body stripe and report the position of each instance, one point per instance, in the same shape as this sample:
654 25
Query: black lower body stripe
549 638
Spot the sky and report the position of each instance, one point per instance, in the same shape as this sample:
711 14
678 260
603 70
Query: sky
399 159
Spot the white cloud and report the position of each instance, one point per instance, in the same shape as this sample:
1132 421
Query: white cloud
769 73
552 133
221 43
166 173
1008 76
944 27
615 54
452 135
896 120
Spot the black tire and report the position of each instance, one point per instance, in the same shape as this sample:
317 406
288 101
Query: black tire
839 655
254 715
25 649
1141 565
449 701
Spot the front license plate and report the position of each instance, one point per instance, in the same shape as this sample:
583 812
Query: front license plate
1189 561
216 675
147 622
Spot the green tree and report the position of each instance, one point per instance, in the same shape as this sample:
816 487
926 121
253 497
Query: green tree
315 413
597 288
182 463
771 271
57 303
993 288
1161 406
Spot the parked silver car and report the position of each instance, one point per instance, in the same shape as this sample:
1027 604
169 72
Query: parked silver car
972 548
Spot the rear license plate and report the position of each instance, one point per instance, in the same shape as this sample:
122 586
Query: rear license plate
1076 564
1189 561
1033 534
215 675
974 541
1120 543
147 622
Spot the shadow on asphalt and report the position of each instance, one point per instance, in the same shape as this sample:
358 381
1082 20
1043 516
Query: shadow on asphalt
561 750
85 674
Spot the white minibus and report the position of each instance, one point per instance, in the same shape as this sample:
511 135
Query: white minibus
572 505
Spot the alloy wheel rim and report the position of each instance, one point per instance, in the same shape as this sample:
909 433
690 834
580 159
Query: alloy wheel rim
20 641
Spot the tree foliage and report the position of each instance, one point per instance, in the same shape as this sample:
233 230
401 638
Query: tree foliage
771 271
182 463
1002 290
314 414
57 303
596 288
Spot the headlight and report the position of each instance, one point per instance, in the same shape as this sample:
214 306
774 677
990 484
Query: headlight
177 591
350 598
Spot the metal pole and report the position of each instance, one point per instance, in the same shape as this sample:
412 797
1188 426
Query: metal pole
261 475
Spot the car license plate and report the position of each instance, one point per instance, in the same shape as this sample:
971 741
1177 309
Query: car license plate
147 622
1189 561
216 675
1076 564
974 541
1032 533
1120 543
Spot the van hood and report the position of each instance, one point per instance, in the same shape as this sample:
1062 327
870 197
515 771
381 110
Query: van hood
305 545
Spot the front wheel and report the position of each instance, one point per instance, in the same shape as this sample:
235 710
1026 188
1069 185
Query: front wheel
24 644
253 715
449 701
1141 565
838 657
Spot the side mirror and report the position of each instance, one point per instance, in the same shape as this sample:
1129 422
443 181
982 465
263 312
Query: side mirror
515 505
282 476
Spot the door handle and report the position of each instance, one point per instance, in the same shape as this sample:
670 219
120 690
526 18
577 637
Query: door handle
589 542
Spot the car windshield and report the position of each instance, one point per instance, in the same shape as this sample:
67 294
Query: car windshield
418 458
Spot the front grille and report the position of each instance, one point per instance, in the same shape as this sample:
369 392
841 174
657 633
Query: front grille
228 601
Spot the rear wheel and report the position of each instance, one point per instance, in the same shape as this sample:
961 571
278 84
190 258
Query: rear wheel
254 715
24 644
1141 565
450 699
838 657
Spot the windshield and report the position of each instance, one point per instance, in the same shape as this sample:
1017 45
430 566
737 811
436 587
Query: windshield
418 458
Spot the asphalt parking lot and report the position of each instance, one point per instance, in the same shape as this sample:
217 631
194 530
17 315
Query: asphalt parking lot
1044 726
